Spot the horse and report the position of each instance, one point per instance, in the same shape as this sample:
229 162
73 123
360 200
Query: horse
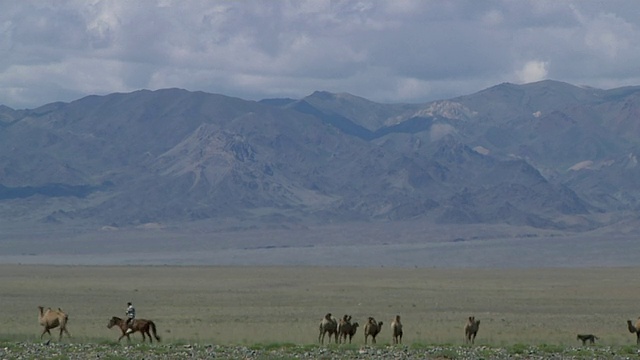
141 325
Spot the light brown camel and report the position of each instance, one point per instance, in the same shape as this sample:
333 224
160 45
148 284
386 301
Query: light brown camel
328 325
372 329
346 329
396 330
51 319
635 329
471 329
141 325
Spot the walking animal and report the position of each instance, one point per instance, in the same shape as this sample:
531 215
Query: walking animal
634 329
141 325
396 330
372 329
352 331
51 319
328 325
471 329
346 329
587 337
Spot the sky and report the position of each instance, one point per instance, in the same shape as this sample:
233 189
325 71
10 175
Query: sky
399 51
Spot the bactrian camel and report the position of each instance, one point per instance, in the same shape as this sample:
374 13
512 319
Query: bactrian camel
328 325
471 329
634 329
346 329
372 329
396 330
51 319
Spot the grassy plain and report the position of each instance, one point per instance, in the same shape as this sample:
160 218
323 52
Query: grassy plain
263 305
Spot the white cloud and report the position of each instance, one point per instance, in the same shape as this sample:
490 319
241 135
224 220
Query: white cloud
400 51
532 71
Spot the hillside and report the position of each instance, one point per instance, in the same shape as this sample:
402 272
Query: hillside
548 155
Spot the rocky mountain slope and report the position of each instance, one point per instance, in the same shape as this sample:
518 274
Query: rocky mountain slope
547 154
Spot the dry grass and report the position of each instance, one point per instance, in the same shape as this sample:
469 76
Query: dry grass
250 305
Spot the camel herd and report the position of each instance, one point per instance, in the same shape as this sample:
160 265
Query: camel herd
343 329
340 330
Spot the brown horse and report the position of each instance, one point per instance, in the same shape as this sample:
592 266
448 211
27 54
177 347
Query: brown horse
141 325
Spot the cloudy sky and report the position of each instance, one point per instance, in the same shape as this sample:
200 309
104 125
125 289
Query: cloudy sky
387 51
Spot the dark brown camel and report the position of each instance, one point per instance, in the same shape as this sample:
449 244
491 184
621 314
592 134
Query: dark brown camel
471 329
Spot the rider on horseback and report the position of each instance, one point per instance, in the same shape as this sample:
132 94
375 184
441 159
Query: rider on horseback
131 315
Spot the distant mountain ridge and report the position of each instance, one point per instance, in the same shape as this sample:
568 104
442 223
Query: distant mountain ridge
546 154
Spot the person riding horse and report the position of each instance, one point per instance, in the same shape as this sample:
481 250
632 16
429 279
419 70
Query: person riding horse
131 315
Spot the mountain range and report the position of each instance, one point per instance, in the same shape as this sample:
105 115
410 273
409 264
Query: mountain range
547 155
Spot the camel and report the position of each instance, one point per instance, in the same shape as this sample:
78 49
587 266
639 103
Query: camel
51 319
396 330
471 329
635 329
372 329
587 337
346 329
328 325
352 331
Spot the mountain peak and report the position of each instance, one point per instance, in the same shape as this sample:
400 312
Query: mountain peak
176 155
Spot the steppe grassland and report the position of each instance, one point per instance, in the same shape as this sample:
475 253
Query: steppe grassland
252 305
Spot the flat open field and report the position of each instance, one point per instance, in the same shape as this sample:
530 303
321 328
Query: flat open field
252 305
